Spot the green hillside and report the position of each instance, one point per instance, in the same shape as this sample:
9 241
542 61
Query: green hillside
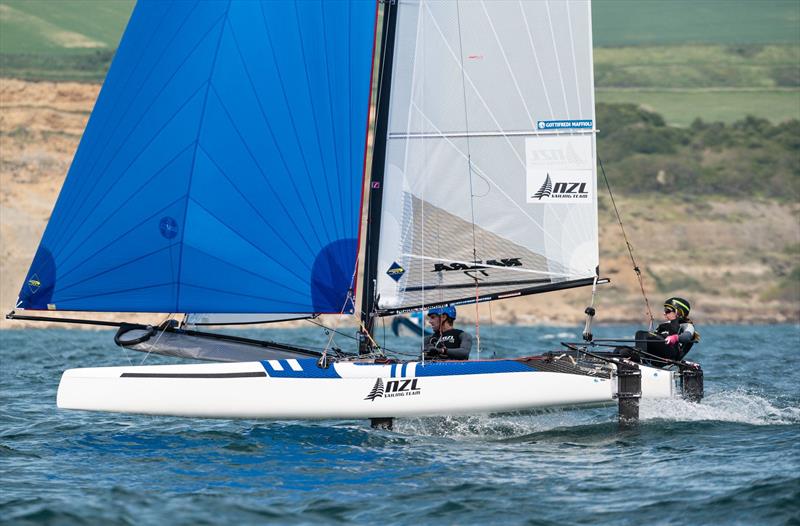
47 26
719 60
61 27
716 82
750 158
671 22
682 107
60 39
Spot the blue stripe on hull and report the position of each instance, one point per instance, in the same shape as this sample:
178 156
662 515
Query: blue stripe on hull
467 367
309 369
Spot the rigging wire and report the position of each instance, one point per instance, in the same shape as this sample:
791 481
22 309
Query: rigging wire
348 299
351 337
636 268
420 44
163 325
469 173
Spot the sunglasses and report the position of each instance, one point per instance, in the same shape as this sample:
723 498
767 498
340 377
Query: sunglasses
667 311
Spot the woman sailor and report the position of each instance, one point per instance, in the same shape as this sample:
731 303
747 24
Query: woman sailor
678 331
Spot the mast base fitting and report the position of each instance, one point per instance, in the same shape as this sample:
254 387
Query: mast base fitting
692 384
382 423
629 392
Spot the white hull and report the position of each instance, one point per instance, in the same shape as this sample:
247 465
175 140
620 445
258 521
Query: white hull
298 389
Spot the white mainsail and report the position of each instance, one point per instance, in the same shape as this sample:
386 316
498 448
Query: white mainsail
490 180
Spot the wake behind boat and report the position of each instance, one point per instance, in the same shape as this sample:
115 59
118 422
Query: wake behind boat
222 175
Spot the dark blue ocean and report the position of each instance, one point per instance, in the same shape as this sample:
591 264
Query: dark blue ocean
733 459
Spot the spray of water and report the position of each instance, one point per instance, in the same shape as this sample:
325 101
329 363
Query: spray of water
738 406
499 427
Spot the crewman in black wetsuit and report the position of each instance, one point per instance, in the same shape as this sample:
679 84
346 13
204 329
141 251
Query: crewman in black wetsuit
446 343
675 337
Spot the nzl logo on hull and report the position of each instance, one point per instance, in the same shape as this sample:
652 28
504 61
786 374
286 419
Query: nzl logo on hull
394 388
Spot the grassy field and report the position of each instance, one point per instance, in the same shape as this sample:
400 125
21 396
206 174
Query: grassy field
716 59
681 107
36 26
61 27
650 22
698 66
60 40
711 81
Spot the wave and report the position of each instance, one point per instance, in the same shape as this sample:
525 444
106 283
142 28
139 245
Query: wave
735 406
739 406
501 427
559 336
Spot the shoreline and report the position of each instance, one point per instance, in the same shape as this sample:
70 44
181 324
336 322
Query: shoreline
464 324
734 259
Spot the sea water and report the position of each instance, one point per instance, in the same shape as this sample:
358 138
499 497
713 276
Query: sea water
732 459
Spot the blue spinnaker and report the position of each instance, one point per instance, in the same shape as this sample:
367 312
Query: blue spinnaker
221 168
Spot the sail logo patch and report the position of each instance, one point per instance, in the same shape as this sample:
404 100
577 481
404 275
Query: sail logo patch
34 283
564 124
396 271
479 265
545 190
394 388
559 169
479 270
168 227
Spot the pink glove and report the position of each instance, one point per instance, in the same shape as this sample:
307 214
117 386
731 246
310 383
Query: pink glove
672 339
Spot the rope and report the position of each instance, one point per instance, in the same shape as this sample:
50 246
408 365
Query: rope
163 326
369 337
630 247
349 299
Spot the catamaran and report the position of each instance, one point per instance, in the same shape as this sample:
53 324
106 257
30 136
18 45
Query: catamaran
223 174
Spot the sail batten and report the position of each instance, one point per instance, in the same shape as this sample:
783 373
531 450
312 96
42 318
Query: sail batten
218 318
215 172
477 265
483 296
504 133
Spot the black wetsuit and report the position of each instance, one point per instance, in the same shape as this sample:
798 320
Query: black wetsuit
655 340
452 344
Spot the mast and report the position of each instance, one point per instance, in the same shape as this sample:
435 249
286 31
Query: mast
368 297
